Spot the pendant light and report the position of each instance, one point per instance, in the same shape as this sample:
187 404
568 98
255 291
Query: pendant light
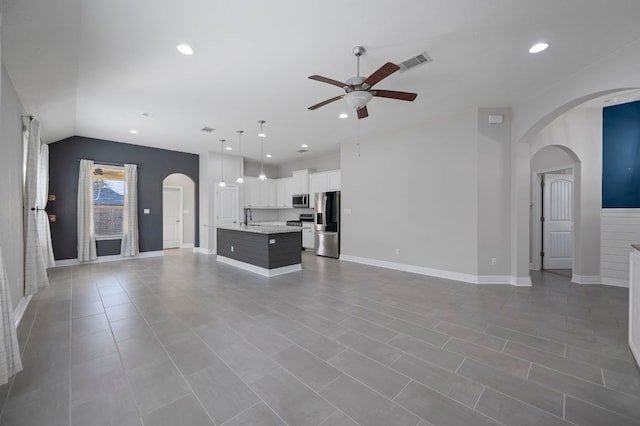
222 184
240 132
261 135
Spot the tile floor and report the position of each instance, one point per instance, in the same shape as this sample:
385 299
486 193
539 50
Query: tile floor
181 340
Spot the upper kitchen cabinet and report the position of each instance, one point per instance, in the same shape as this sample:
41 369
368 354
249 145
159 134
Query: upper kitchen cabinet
300 182
260 193
284 192
323 182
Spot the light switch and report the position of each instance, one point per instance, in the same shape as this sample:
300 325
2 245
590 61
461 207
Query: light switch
146 211
272 241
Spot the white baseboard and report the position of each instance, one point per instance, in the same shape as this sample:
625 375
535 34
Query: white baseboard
114 258
615 282
204 250
586 279
438 273
258 270
189 245
18 312
634 351
521 281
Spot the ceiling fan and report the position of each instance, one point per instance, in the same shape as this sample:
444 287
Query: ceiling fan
359 90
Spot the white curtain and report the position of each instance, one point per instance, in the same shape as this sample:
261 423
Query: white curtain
44 230
10 363
35 263
129 245
86 233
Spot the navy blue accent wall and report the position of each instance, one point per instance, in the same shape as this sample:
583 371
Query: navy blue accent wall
153 166
621 156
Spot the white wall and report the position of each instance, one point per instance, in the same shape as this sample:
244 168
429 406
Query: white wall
253 168
188 205
494 159
321 163
580 130
415 190
11 173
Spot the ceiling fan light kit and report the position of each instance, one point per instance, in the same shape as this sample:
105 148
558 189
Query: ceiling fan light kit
359 89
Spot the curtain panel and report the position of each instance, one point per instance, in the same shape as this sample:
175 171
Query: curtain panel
35 263
10 362
86 234
129 245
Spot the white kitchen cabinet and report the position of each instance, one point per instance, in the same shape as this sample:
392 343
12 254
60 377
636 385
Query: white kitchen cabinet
259 193
308 237
284 192
323 182
300 181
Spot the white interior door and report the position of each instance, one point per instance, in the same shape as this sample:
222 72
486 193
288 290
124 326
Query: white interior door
171 217
227 205
558 221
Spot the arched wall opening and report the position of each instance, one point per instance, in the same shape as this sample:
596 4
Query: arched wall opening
178 211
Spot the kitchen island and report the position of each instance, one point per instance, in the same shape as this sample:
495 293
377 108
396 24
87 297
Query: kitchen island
263 249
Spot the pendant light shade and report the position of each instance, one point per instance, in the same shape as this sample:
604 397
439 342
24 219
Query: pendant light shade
240 132
222 184
262 135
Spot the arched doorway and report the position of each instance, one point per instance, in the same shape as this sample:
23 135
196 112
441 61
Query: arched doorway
178 212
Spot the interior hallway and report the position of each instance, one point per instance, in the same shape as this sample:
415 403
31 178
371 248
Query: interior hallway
182 340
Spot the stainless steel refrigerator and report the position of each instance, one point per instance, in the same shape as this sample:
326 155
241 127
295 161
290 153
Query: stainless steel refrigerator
327 223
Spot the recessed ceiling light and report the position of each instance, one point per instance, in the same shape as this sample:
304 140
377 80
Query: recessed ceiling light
344 115
539 47
228 148
185 49
133 132
304 145
268 155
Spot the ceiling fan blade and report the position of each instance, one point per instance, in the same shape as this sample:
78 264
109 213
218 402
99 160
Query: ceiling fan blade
363 112
392 94
381 73
323 103
328 80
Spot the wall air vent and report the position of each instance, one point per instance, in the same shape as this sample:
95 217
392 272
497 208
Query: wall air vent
207 129
419 59
302 151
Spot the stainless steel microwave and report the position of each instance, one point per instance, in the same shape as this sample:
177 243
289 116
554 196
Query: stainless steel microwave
301 200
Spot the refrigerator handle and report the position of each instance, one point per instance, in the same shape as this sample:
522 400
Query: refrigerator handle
324 209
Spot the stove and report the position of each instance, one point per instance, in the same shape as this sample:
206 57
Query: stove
294 223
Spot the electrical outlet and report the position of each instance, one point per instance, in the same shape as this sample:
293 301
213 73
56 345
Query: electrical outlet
494 261
397 251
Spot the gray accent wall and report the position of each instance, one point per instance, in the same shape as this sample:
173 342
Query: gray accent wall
11 173
153 166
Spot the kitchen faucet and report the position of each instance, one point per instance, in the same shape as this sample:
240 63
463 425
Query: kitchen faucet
247 210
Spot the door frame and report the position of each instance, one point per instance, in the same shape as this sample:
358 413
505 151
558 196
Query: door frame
180 213
536 214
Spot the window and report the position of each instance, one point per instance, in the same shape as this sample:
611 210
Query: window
108 201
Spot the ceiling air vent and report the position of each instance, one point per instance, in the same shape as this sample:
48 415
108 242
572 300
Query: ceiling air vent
422 58
302 151
207 129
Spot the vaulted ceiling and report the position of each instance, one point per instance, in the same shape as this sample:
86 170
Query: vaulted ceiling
91 68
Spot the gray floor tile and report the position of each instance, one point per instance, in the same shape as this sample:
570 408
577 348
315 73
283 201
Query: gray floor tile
247 361
156 384
473 336
318 345
513 412
339 419
366 406
628 383
532 393
113 409
89 324
381 352
191 355
184 412
455 387
433 354
295 403
585 414
265 339
86 309
438 409
375 375
89 346
130 328
308 368
95 378
221 392
607 398
259 414
277 322
170 332
429 336
603 361
369 329
525 339
140 350
118 312
217 335
507 363
575 368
